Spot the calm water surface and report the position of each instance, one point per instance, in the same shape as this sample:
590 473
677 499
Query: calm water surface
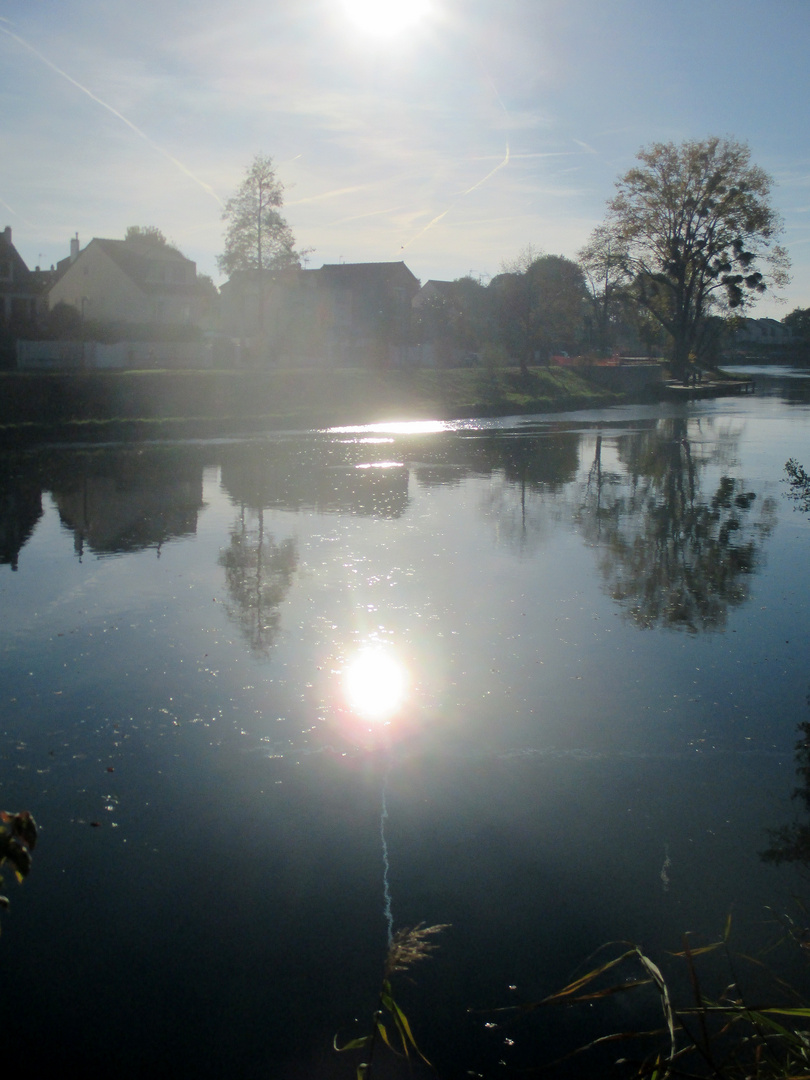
602 628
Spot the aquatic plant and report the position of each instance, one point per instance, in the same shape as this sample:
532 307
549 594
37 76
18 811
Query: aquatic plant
722 1035
389 1024
18 838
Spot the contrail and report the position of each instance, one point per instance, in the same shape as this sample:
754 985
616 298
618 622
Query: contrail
501 165
16 214
444 213
490 83
133 127
429 225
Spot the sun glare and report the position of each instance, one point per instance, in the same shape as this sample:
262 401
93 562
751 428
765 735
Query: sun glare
385 18
375 683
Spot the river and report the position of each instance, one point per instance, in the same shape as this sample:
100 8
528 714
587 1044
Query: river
269 700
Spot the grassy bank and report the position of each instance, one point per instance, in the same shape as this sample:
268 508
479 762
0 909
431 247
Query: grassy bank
93 406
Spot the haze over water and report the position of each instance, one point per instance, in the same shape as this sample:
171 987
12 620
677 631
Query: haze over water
582 646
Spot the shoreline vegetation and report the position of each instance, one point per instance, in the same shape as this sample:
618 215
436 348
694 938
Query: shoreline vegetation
146 405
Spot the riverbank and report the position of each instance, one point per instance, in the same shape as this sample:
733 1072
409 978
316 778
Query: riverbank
142 405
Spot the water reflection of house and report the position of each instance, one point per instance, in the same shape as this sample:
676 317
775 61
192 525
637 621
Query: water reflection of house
297 477
341 315
20 510
126 502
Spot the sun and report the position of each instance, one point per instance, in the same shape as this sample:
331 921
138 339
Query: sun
375 683
385 18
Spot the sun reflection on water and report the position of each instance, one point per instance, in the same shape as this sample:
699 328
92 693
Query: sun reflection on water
395 427
375 683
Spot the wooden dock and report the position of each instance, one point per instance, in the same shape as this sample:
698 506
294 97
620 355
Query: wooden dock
707 388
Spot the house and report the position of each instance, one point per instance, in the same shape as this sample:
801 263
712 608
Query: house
341 315
22 297
253 303
762 332
134 281
453 321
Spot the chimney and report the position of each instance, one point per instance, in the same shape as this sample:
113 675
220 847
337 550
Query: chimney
7 234
74 248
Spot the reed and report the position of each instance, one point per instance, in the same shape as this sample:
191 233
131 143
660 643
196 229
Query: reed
18 838
389 1024
725 1035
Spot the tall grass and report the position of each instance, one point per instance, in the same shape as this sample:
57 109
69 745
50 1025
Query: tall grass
389 1024
727 1032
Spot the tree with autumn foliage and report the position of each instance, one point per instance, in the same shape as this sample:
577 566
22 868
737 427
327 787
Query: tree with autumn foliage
692 232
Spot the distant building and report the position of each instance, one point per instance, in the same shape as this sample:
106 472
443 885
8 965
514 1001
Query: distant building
22 297
435 293
365 310
341 315
133 281
762 332
253 303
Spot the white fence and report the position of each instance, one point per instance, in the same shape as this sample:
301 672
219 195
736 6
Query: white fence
97 356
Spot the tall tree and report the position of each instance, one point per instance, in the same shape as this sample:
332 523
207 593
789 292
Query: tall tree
257 236
539 301
151 234
605 269
799 322
697 233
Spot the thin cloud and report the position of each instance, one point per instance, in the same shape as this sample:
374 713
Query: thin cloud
328 195
362 217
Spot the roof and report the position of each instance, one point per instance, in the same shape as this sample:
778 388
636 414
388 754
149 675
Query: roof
24 282
366 273
449 288
137 259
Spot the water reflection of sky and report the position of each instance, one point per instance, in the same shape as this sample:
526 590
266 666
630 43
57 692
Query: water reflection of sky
552 752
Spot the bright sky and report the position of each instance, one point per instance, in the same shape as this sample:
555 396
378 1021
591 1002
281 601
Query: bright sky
451 136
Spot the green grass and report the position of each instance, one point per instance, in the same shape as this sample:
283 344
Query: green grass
155 404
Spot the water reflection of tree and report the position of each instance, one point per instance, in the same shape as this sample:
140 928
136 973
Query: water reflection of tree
258 573
791 843
532 468
671 554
